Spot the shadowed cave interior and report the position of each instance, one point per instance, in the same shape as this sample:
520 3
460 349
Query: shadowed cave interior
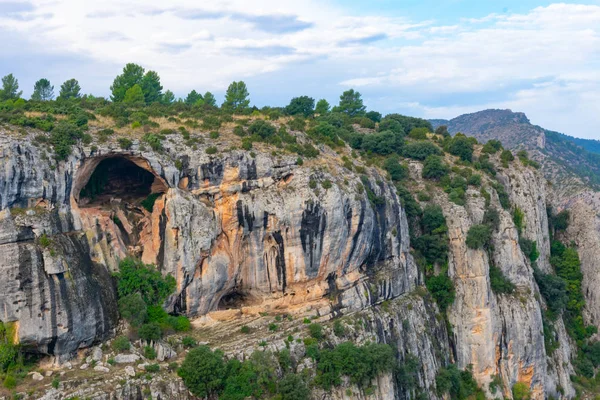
117 178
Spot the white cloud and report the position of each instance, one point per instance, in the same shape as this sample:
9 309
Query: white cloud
544 62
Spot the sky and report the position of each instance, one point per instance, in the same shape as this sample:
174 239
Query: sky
425 58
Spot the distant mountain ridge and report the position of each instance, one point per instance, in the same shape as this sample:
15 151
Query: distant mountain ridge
580 157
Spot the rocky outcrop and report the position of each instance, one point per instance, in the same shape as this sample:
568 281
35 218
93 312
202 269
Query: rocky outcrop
234 230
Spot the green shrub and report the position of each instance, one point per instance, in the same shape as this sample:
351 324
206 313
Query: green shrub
154 141
245 329
420 150
434 168
502 195
316 331
407 373
149 352
203 372
10 382
506 156
297 124
137 277
518 218
492 146
211 150
418 133
262 128
338 328
529 248
441 288
558 222
326 184
44 241
360 364
568 267
396 170
214 135
273 327
461 146
181 323
293 387
133 309
520 391
189 342
55 383
478 236
474 180
491 218
152 368
150 332
63 136
499 283
125 143
456 383
121 343
148 202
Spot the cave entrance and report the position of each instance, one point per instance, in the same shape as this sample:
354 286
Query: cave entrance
119 178
236 300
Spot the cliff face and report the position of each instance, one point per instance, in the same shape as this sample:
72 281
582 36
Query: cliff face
257 232
234 231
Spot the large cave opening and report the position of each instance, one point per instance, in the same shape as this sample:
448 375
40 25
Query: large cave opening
122 179
237 299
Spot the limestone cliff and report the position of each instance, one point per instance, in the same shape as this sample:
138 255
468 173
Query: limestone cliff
251 233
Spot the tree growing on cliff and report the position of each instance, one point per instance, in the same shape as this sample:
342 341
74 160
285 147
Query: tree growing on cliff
193 97
351 103
167 98
209 99
302 105
10 88
134 95
42 90
434 168
132 75
203 371
322 107
151 87
236 98
70 89
461 146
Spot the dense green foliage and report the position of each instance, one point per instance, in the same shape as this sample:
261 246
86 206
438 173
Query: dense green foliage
236 98
361 364
434 168
69 90
441 288
43 90
322 107
499 283
133 309
457 384
10 88
520 391
478 236
142 290
203 371
565 261
461 146
302 105
350 103
492 146
136 277
420 150
433 243
553 290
